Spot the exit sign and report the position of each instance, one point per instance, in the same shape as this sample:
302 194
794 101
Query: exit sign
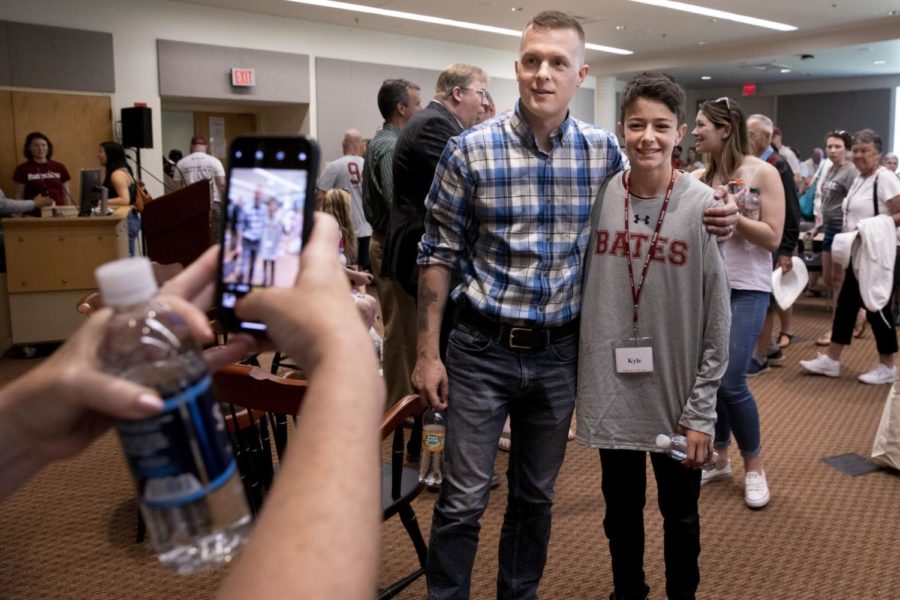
243 77
749 89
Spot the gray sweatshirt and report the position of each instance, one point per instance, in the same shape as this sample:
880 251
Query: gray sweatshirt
684 307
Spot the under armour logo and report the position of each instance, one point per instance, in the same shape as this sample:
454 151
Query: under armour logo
639 218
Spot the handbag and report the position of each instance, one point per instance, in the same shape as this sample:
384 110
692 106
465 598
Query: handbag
141 196
807 199
886 450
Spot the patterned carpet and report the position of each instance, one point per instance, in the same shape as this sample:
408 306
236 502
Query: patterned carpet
825 535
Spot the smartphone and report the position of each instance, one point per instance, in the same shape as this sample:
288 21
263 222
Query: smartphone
267 216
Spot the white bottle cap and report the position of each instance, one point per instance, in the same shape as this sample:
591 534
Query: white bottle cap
663 441
126 281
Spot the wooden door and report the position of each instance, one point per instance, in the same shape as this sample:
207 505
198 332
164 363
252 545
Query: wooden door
236 124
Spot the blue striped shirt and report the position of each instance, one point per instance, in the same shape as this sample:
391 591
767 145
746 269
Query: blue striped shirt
513 220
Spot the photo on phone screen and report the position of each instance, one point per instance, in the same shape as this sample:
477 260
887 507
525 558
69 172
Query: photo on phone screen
268 212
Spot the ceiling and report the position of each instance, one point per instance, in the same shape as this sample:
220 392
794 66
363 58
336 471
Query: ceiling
844 38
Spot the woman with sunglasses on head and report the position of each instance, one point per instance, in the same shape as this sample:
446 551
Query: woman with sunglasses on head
836 183
874 192
720 135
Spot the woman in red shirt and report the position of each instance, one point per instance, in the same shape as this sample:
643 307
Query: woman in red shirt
39 175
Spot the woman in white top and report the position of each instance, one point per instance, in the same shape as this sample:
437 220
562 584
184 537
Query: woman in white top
875 191
721 136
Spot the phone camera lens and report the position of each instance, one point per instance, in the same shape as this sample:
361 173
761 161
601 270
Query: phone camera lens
279 155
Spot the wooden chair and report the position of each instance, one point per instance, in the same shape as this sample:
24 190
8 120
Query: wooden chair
400 485
256 405
265 400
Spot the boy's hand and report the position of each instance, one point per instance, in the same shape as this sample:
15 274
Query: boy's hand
699 447
721 220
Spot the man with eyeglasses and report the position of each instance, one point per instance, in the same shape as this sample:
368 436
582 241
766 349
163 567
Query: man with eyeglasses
460 97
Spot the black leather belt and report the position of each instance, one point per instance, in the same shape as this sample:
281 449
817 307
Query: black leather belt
515 337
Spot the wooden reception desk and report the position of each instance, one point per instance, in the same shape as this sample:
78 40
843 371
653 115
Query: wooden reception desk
50 264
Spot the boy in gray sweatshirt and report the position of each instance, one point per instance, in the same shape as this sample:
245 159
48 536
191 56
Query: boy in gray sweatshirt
654 339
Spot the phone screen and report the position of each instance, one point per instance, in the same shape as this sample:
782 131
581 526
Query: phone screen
267 216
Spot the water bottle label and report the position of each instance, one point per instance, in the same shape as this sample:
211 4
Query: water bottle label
433 441
182 454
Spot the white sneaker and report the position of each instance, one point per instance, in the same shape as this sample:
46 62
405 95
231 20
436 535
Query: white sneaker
716 474
756 489
879 375
822 365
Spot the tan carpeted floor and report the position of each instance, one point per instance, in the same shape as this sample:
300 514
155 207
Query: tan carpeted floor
825 535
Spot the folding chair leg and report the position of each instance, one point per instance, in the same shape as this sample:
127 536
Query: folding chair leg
408 518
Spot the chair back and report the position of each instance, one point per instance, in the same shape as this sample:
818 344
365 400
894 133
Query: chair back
400 486
256 405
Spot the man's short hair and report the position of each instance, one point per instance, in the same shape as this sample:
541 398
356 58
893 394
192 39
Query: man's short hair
457 75
764 121
654 86
556 19
868 136
392 93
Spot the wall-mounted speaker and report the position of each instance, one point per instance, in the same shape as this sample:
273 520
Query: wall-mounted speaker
137 127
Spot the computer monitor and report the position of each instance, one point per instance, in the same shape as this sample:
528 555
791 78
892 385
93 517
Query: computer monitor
91 191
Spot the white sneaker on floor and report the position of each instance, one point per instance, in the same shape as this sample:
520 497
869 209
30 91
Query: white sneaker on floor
879 375
756 489
822 365
715 474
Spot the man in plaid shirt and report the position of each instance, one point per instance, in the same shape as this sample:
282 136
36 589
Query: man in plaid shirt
509 210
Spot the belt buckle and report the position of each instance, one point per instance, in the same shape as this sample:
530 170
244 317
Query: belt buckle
512 335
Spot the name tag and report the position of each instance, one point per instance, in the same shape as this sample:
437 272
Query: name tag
634 359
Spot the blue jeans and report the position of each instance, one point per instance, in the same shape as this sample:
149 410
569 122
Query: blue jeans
134 228
537 390
735 406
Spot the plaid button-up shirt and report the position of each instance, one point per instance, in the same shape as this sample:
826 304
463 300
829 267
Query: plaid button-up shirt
514 220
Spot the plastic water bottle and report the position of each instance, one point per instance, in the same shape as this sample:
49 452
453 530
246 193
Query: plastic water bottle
676 446
190 494
434 428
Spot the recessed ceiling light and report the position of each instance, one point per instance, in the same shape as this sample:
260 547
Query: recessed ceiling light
399 14
893 13
719 14
879 62
705 77
703 42
620 27
785 70
517 9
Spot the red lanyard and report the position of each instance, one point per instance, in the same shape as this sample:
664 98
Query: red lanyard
636 289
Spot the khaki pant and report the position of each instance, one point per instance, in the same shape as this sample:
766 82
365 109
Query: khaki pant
398 309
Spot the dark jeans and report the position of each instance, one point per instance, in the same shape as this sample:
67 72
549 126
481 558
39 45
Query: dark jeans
487 382
848 304
624 486
249 250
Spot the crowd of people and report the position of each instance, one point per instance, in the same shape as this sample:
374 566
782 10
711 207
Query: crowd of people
524 262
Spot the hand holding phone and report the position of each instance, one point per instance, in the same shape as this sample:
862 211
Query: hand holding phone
267 217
